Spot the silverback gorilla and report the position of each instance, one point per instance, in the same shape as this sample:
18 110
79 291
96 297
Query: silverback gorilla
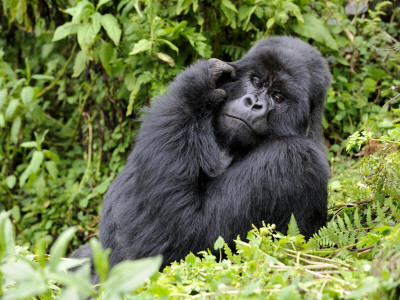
227 146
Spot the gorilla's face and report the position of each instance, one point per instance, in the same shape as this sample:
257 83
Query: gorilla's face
266 98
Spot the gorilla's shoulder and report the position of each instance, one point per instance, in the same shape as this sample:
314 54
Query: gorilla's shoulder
294 147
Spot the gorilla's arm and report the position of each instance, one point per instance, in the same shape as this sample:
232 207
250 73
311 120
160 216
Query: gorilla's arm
159 192
179 127
280 177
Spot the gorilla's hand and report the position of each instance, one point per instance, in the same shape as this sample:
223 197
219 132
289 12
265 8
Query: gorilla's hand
216 69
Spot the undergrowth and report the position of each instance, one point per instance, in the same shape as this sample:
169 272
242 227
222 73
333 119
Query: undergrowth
74 77
355 256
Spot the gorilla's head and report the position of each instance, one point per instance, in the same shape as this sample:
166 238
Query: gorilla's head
278 89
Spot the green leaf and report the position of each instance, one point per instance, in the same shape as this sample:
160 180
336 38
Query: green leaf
80 63
2 120
369 84
11 108
34 165
106 54
7 242
245 12
15 128
101 3
30 144
190 258
65 30
27 94
219 243
127 276
289 293
82 11
87 33
228 4
51 155
43 77
293 229
3 97
77 280
15 211
315 29
51 167
368 285
102 187
30 281
132 97
289 6
141 46
111 26
270 22
100 258
10 181
36 161
59 248
95 20
172 46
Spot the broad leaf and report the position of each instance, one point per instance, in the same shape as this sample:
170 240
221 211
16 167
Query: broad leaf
11 108
15 128
106 54
228 4
127 276
11 181
80 63
29 281
111 26
82 11
27 94
101 3
7 242
65 30
87 33
315 29
141 46
59 248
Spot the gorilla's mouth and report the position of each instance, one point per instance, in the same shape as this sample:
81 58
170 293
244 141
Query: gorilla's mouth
243 121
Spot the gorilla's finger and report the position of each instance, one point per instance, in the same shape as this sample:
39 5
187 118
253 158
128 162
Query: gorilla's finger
218 67
219 94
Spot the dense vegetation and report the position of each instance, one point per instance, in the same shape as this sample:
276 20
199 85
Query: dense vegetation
74 76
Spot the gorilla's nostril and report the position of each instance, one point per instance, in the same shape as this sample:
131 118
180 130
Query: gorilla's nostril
248 102
257 106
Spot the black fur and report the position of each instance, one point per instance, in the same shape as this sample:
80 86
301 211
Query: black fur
227 146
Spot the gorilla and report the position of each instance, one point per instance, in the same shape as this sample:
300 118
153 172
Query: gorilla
229 145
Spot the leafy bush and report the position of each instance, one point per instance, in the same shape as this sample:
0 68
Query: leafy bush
72 87
354 256
71 92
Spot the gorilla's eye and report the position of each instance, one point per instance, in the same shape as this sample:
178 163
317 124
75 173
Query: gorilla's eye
257 82
278 98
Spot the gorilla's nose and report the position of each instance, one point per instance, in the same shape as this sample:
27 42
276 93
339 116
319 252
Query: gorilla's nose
251 102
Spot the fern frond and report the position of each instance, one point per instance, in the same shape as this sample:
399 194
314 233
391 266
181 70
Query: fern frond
293 229
349 224
333 231
343 235
228 252
395 212
369 217
346 255
380 214
322 237
357 221
234 51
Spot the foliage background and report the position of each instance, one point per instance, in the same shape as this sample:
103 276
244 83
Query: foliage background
74 76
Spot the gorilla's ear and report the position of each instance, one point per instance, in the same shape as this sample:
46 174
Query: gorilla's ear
320 83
